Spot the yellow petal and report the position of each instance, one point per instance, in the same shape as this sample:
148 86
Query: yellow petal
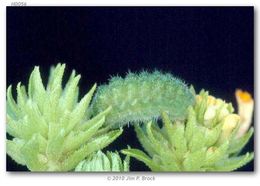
230 122
211 100
210 113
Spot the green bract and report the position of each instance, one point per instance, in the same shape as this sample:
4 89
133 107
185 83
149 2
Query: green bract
100 162
51 130
205 141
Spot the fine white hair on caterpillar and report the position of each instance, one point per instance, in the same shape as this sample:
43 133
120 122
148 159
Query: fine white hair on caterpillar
141 97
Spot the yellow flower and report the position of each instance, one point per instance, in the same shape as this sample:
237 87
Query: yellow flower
230 122
245 110
217 111
215 108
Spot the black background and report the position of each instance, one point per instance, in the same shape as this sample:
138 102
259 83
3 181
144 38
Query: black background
209 47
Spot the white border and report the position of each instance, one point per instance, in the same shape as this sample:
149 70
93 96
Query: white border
9 179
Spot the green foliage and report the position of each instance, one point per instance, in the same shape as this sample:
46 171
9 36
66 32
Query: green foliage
51 129
194 144
142 97
100 162
54 131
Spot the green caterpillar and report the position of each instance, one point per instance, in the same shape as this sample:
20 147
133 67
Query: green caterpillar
142 97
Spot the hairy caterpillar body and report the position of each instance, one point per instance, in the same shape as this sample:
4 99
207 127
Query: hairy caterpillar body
142 97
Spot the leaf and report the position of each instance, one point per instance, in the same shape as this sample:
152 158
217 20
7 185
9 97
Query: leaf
202 107
55 80
20 128
214 155
191 125
21 96
143 139
79 111
89 123
141 156
103 140
54 146
35 119
169 127
237 144
12 108
192 90
116 162
194 160
13 149
198 140
37 90
94 145
212 135
156 143
13 127
54 99
75 142
70 91
31 154
80 167
233 163
160 135
99 161
126 164
180 142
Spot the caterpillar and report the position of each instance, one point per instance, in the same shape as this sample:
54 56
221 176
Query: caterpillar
141 97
